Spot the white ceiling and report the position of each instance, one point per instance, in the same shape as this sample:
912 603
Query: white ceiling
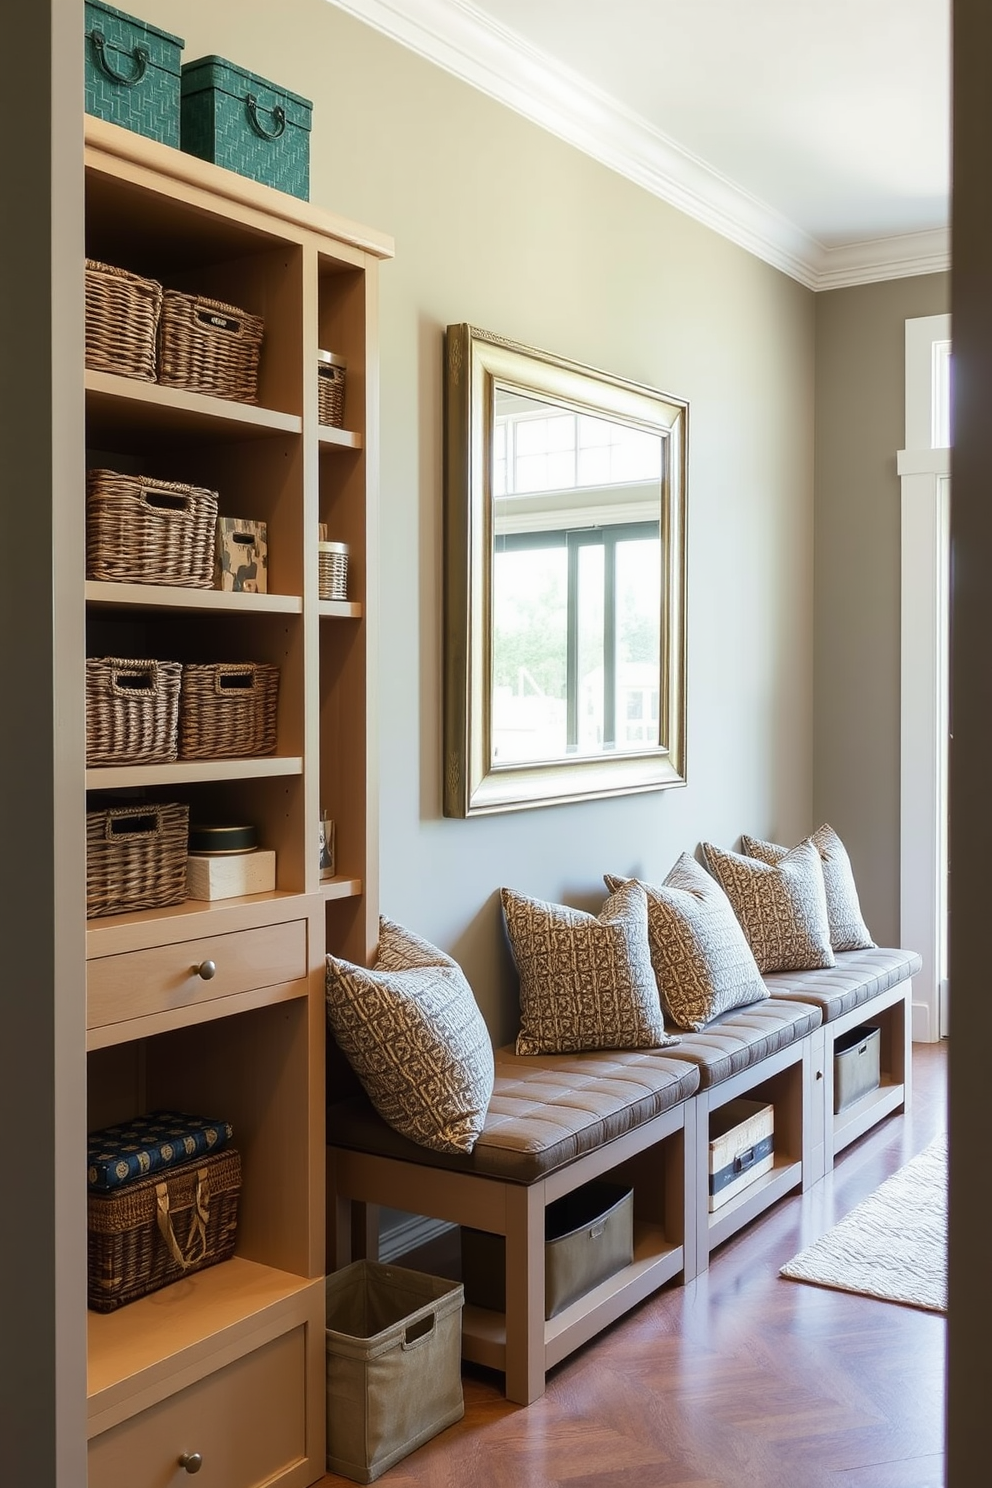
815 133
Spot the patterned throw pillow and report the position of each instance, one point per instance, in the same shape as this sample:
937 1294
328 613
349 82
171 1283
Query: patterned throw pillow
585 981
702 962
848 931
782 907
414 1035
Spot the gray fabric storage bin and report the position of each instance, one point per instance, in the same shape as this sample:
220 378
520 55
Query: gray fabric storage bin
588 1235
856 1065
394 1365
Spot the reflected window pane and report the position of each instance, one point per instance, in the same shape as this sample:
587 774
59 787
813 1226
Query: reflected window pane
638 620
530 644
591 611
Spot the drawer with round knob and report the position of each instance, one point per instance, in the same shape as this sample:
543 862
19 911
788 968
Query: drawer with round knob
163 979
243 1426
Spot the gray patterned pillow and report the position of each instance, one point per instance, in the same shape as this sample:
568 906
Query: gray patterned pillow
782 907
848 931
702 962
413 1033
585 981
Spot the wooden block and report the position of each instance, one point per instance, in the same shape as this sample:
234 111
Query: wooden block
209 877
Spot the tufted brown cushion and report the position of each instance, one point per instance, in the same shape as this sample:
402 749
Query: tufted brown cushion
854 979
413 1033
702 962
848 931
782 908
586 981
544 1112
743 1038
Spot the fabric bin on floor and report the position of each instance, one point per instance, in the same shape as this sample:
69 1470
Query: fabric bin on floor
394 1345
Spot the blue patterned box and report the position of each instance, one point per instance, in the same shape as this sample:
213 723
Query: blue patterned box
162 1139
132 72
246 124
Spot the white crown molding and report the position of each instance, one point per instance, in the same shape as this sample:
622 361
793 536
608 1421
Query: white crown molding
465 41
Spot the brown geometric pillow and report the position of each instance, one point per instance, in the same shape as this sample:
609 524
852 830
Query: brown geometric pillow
848 931
413 1033
782 908
702 962
585 981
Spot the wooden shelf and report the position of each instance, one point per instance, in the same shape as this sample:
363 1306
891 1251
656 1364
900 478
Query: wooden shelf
341 887
331 438
112 935
755 1199
118 406
871 1108
167 597
339 609
186 772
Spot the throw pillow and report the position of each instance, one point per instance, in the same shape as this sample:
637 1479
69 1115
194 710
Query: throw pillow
413 1033
782 907
585 980
702 962
848 931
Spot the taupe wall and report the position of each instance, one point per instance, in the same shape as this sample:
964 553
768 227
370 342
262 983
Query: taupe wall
498 223
860 360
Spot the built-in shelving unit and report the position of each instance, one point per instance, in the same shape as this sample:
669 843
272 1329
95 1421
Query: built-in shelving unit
242 1340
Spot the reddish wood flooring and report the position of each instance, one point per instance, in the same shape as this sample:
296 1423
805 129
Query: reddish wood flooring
739 1380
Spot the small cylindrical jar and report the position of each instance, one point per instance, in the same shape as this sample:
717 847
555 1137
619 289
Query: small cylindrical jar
332 570
331 372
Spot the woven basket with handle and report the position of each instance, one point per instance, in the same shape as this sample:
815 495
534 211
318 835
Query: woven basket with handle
227 710
141 531
136 857
122 315
147 1234
206 346
132 711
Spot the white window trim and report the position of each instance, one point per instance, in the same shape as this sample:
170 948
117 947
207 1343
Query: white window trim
924 472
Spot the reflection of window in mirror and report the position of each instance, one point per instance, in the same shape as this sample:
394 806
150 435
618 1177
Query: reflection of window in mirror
576 583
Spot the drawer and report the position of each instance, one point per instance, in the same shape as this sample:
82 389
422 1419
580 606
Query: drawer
137 984
247 1422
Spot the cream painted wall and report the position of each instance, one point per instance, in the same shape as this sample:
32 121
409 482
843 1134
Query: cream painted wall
502 225
860 372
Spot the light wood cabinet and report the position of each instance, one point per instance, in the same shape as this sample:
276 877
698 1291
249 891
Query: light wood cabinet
218 1008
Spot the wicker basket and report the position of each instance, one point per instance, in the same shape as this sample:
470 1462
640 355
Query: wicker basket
135 857
228 710
208 347
331 373
148 1234
332 570
122 316
140 531
132 711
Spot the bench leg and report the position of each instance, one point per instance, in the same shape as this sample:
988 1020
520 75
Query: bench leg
525 1205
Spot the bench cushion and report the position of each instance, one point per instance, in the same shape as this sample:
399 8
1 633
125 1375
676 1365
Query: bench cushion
746 1036
856 978
546 1111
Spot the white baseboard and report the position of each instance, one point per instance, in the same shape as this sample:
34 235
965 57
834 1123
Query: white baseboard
408 1234
923 1030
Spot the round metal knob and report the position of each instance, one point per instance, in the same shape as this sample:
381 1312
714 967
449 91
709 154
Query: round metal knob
192 1461
205 970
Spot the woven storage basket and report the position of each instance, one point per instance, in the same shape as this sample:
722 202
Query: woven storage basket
132 711
331 375
228 710
135 857
206 346
148 1234
332 570
140 531
122 316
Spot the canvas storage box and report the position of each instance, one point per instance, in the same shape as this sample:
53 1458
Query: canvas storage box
143 531
394 1380
132 73
856 1065
588 1236
138 1148
742 1142
132 711
136 857
145 1235
247 124
227 710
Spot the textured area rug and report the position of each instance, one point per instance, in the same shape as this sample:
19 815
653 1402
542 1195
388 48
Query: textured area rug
894 1244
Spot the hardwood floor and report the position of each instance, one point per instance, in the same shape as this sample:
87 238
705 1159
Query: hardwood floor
739 1380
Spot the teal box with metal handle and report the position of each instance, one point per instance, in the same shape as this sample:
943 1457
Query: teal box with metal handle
132 73
247 124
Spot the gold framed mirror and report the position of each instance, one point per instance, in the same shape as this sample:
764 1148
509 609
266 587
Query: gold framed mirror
564 580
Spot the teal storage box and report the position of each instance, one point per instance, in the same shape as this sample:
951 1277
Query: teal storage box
246 124
132 73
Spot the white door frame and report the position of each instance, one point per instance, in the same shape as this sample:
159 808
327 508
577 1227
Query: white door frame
924 468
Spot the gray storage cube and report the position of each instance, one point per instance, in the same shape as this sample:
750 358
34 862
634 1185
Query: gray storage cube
856 1065
394 1365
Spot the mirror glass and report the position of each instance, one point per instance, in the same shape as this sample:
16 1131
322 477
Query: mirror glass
564 580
